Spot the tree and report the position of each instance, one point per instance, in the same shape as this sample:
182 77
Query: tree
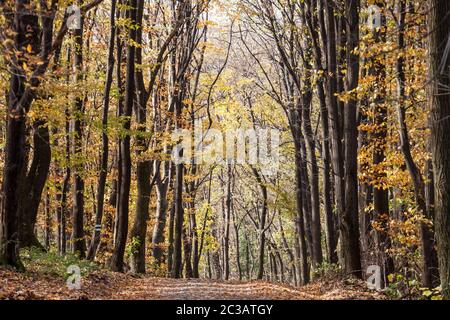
105 140
429 259
125 152
349 223
35 44
380 193
78 241
438 20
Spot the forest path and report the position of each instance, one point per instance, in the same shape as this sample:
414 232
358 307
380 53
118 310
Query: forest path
201 289
107 285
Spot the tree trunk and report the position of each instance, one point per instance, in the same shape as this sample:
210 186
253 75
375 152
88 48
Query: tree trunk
301 250
125 153
226 233
439 75
262 224
62 207
26 28
316 254
162 187
332 86
311 21
171 239
238 246
105 141
217 272
349 225
179 219
34 184
326 156
48 221
187 249
380 193
78 241
120 113
429 258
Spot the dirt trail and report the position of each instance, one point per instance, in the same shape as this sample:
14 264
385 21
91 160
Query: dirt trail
116 286
182 289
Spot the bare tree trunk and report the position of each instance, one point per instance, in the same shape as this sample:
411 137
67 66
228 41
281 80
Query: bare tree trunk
78 241
195 240
26 26
332 86
125 153
316 254
171 239
226 235
179 219
349 225
120 113
262 224
238 245
62 207
105 140
34 184
439 69
187 249
48 221
300 242
326 155
162 187
217 272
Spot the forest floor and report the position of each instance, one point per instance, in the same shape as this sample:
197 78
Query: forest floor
114 286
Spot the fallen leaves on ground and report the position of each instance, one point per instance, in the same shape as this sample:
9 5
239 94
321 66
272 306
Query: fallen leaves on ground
116 286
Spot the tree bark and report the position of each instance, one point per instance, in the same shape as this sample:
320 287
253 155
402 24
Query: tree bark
144 167
381 193
34 184
105 140
349 224
429 256
78 241
26 28
125 152
162 187
438 19
262 224
179 219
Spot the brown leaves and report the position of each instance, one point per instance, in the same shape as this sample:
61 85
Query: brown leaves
105 285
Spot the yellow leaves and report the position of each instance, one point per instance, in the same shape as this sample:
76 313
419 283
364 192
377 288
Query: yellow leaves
134 43
406 231
29 48
188 102
345 96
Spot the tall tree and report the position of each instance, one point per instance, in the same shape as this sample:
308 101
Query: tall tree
438 19
124 148
337 156
25 27
31 39
78 241
430 272
380 193
349 224
105 139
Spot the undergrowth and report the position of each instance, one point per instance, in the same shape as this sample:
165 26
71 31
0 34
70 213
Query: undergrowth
51 263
